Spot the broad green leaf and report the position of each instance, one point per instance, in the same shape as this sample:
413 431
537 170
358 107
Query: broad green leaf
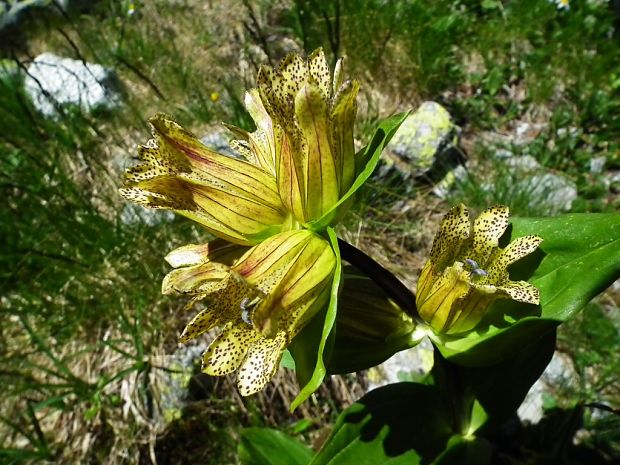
403 423
367 160
265 446
370 327
487 396
309 347
579 258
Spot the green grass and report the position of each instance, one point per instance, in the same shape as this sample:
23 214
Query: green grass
81 286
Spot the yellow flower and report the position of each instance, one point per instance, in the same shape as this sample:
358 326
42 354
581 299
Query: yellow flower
215 96
467 270
234 199
313 115
260 296
296 166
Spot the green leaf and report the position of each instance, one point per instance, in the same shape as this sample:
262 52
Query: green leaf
309 347
265 446
579 258
370 327
484 397
367 160
403 423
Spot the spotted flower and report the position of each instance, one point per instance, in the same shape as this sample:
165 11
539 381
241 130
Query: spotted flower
467 270
313 114
261 297
267 274
236 200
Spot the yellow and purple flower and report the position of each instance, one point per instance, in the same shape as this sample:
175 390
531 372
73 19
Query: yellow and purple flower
267 275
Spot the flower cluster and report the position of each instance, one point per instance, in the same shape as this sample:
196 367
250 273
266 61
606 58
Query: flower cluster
467 270
267 274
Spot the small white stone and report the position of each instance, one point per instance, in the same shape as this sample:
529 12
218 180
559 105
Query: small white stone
53 81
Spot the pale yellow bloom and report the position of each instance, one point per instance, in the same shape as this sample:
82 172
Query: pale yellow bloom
467 270
313 114
236 200
261 297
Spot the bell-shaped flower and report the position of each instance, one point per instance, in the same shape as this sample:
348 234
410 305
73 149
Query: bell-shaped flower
236 200
467 270
312 115
261 297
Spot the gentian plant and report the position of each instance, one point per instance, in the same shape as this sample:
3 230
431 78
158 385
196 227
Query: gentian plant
490 296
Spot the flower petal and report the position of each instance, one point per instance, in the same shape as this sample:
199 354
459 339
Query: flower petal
453 231
290 175
488 228
521 291
322 186
301 292
514 251
217 250
437 306
227 351
319 71
260 364
196 279
225 306
344 109
233 199
266 141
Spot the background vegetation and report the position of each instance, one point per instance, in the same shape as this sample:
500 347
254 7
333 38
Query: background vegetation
88 350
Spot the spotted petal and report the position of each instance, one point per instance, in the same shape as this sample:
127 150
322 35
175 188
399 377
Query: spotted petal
488 228
317 158
453 232
226 353
234 199
260 364
302 292
517 249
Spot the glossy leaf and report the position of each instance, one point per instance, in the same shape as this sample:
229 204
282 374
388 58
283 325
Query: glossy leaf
403 423
579 258
367 161
370 327
310 348
264 446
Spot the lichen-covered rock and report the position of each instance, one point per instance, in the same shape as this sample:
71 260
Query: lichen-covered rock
52 82
422 135
423 150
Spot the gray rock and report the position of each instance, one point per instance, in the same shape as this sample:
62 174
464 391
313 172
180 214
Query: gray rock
452 179
11 10
219 140
52 81
406 365
133 214
597 164
523 164
559 373
547 191
554 191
